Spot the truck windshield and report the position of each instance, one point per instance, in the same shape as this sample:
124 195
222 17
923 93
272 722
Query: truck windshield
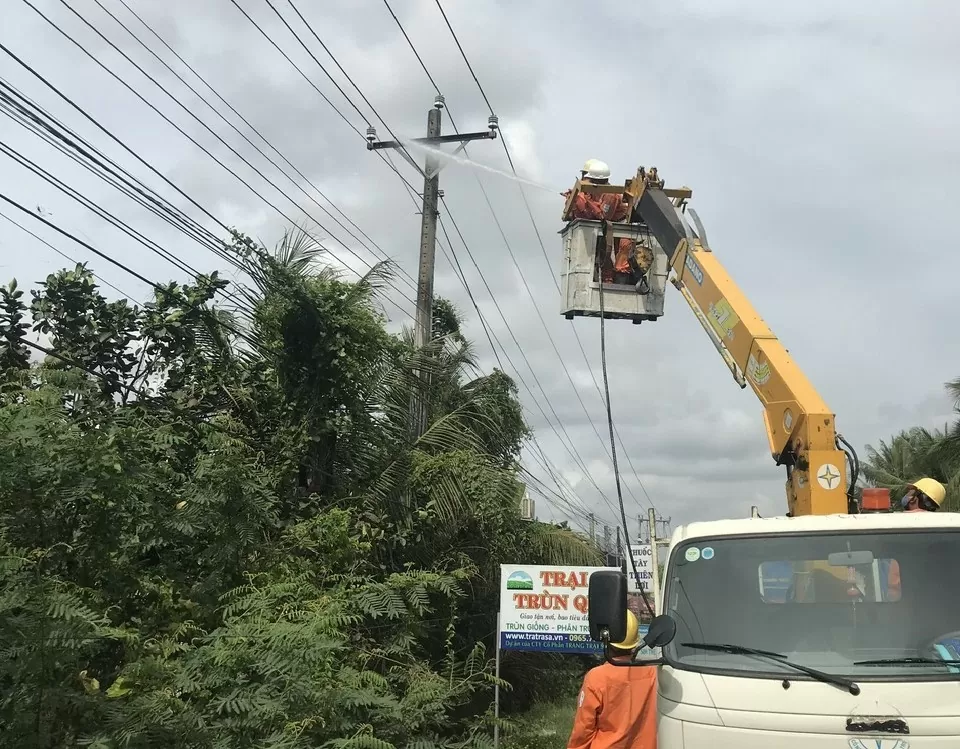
860 605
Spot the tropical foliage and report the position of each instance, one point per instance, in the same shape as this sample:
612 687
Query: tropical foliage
217 530
918 452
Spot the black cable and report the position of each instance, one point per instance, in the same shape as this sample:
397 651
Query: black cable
855 472
529 210
177 127
113 137
235 129
189 227
64 255
152 284
464 55
131 186
132 193
466 286
417 54
96 208
543 323
571 450
613 442
322 95
245 121
345 74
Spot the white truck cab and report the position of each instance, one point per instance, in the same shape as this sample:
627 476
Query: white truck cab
816 631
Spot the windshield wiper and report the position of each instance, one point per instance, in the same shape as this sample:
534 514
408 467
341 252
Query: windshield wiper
837 681
894 661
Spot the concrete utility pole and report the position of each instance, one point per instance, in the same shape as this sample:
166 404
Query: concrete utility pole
428 233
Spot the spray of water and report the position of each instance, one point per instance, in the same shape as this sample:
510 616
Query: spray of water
445 158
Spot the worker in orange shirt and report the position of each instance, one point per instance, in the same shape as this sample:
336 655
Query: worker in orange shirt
617 705
925 495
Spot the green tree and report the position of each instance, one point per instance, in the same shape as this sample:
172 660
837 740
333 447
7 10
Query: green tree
217 531
917 452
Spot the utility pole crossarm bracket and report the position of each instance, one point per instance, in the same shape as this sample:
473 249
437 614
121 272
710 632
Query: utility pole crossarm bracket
461 138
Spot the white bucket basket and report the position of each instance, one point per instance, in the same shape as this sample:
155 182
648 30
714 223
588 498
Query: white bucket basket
579 282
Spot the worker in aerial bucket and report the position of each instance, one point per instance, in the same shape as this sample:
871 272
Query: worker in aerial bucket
617 705
926 495
595 207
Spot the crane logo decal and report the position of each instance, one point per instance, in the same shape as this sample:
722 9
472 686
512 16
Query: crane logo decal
694 269
759 373
723 319
828 476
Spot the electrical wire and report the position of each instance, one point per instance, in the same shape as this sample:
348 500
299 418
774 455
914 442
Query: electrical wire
112 137
322 95
97 209
530 215
177 127
127 269
217 112
64 255
245 121
543 249
169 256
31 115
613 445
573 453
373 109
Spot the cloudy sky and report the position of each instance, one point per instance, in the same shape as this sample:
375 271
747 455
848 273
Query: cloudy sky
819 138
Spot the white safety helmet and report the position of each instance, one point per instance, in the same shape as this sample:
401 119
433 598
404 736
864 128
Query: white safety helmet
596 169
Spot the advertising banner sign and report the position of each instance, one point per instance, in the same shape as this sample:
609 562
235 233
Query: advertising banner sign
544 609
643 559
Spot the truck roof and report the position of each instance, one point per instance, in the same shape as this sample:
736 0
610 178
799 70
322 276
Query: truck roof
815 523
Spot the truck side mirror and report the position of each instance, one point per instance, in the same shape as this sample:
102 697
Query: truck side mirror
607 613
661 631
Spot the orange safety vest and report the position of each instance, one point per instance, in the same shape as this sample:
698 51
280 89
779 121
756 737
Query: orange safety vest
616 709
894 591
608 206
624 250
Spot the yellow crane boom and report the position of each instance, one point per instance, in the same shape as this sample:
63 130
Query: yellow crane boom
800 426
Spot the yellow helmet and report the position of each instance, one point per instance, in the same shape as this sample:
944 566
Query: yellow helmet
632 640
932 488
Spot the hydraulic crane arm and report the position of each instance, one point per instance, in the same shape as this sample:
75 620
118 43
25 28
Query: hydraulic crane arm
800 425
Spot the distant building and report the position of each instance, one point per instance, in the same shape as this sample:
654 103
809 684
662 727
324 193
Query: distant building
528 509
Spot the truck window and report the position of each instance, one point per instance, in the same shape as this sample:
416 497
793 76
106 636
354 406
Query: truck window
825 600
819 581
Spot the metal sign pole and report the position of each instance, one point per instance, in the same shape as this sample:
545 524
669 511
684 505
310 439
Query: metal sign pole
496 692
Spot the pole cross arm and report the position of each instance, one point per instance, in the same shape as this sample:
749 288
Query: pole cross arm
454 138
461 138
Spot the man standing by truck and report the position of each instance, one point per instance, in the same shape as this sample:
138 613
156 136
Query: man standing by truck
617 705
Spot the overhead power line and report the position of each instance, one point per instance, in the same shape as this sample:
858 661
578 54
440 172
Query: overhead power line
171 122
516 265
245 121
217 112
536 229
64 255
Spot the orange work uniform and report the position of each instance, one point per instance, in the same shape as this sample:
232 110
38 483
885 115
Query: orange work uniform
609 206
894 591
616 709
